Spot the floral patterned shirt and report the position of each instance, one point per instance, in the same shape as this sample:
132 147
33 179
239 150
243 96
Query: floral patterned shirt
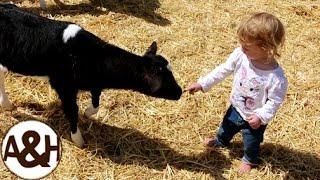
254 91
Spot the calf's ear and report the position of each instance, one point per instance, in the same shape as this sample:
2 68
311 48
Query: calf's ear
152 50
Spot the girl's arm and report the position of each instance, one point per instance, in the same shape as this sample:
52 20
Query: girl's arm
276 96
220 72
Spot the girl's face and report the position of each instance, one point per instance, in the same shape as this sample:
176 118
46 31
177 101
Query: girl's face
254 51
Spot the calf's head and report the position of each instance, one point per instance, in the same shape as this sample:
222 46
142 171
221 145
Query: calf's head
158 77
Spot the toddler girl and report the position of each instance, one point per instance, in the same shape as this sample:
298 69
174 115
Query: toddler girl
258 88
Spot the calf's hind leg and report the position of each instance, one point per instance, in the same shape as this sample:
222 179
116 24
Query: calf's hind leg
4 100
94 106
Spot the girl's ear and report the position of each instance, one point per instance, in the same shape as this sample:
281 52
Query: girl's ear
152 50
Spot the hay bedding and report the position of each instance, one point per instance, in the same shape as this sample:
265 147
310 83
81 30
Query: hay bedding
139 137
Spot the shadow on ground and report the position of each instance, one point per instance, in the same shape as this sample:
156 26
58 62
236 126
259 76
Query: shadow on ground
130 146
143 9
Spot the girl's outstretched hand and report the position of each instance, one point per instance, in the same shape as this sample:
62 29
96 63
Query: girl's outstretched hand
193 88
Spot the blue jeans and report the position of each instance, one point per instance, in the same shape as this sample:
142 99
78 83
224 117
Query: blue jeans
233 123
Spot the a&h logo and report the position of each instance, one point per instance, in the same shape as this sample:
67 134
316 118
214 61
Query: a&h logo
31 149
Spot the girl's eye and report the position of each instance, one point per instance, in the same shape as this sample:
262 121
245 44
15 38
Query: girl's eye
240 84
251 89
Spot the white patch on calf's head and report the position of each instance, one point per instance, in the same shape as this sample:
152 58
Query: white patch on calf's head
169 67
70 32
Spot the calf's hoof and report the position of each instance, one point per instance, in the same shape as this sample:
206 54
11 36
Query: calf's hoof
90 111
77 138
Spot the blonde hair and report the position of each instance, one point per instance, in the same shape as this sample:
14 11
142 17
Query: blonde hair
264 29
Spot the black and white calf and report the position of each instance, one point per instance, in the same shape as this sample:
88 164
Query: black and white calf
74 59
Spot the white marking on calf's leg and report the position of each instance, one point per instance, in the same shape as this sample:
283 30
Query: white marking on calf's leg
90 111
77 138
4 100
70 32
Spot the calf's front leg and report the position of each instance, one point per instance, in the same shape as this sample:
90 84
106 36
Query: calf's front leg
70 108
